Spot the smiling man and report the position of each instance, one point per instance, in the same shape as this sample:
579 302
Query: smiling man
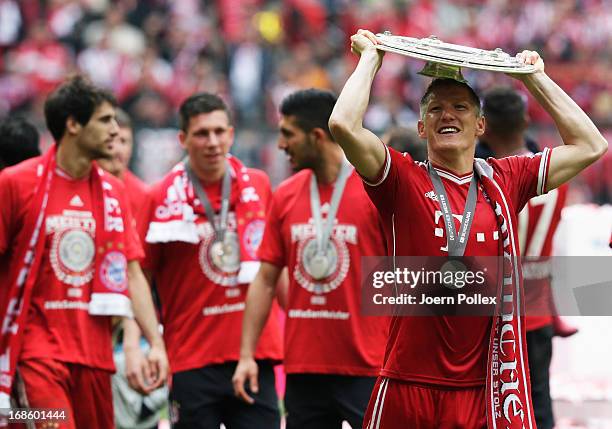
205 230
66 227
475 371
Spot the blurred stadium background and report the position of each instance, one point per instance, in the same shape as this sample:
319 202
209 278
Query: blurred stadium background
154 53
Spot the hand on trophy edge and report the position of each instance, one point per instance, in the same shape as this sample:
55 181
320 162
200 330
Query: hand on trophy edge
532 58
362 41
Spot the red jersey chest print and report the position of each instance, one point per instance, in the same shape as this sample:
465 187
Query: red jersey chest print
61 296
70 228
414 226
324 331
200 283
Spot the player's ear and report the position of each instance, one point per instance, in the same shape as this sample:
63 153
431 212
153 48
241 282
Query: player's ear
421 129
72 125
318 134
182 136
481 123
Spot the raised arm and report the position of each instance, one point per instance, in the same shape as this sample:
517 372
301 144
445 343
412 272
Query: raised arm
258 303
362 147
583 143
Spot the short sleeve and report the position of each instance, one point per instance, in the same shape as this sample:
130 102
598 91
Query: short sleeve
272 249
383 191
524 177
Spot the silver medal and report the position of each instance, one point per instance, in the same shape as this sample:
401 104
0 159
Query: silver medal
317 264
448 271
226 254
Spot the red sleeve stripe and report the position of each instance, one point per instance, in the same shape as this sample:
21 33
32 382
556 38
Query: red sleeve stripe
543 171
384 171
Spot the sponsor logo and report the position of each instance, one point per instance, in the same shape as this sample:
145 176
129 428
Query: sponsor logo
76 201
431 195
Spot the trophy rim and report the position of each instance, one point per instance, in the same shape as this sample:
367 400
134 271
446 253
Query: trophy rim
461 59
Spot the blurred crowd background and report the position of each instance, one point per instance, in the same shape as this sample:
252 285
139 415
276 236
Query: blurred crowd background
154 53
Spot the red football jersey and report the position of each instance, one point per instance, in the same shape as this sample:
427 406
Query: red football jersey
58 324
444 350
140 202
324 330
201 306
538 222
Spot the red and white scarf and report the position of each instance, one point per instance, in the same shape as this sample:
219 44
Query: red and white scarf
109 287
508 388
177 207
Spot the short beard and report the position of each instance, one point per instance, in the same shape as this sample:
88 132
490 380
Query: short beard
95 154
111 165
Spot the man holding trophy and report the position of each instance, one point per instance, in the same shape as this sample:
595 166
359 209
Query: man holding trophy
450 371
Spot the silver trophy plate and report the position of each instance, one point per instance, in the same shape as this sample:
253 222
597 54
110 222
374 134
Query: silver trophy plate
434 50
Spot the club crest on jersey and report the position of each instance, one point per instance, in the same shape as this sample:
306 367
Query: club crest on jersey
253 235
113 271
72 255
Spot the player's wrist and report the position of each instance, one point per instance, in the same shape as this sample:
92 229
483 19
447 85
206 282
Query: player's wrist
533 79
246 355
370 53
157 342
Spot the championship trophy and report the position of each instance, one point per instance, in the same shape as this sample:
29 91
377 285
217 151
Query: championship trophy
445 59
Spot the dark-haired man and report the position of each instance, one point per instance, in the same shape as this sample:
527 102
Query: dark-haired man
319 226
205 228
448 371
18 141
67 229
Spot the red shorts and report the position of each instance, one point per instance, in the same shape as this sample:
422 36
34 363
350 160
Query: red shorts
396 404
85 393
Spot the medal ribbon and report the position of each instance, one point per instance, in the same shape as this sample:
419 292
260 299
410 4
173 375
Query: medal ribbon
323 232
456 243
225 194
